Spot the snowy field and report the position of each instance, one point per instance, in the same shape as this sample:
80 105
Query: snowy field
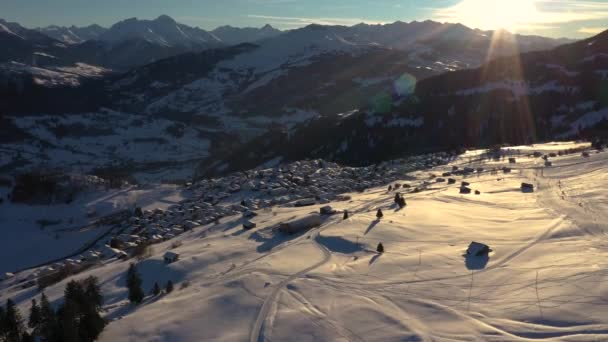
35 234
544 278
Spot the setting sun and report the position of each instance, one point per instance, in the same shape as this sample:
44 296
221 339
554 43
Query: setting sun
493 14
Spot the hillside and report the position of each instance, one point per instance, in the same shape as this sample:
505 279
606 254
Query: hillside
529 97
541 280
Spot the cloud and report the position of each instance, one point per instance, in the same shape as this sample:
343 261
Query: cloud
591 30
522 14
302 21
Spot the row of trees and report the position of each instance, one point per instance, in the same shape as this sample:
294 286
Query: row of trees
78 319
134 284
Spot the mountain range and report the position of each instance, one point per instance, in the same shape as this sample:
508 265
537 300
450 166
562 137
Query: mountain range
354 94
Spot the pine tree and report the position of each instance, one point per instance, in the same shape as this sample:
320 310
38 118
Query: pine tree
27 337
380 248
136 293
379 214
48 329
93 293
67 327
397 198
156 289
390 187
13 322
35 316
2 323
169 287
79 318
345 215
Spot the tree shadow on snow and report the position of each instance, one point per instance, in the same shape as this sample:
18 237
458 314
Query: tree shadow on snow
338 244
271 238
374 259
371 226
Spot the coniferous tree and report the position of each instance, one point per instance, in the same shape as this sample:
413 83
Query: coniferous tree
380 248
379 214
2 323
79 317
35 317
92 292
397 198
48 329
67 329
136 293
91 322
26 337
345 215
169 287
156 289
13 322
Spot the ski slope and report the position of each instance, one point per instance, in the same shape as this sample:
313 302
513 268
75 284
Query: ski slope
544 278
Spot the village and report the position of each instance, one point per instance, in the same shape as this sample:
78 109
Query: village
133 231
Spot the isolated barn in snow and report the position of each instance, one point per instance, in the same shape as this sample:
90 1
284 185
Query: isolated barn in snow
527 187
170 257
248 225
327 210
301 224
478 249
465 190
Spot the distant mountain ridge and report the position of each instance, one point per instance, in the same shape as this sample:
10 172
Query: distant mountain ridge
163 30
73 34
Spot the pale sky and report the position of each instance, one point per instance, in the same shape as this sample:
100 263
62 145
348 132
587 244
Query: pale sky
554 18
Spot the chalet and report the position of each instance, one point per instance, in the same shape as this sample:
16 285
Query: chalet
465 190
512 161
327 210
477 192
440 180
478 249
506 169
451 181
527 187
305 202
247 225
301 224
465 184
170 257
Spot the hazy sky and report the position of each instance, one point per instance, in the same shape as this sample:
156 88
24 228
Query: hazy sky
556 18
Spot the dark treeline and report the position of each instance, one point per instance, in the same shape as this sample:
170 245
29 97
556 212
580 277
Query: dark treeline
76 320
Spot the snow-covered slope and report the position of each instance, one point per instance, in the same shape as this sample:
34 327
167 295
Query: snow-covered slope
159 148
541 280
164 31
